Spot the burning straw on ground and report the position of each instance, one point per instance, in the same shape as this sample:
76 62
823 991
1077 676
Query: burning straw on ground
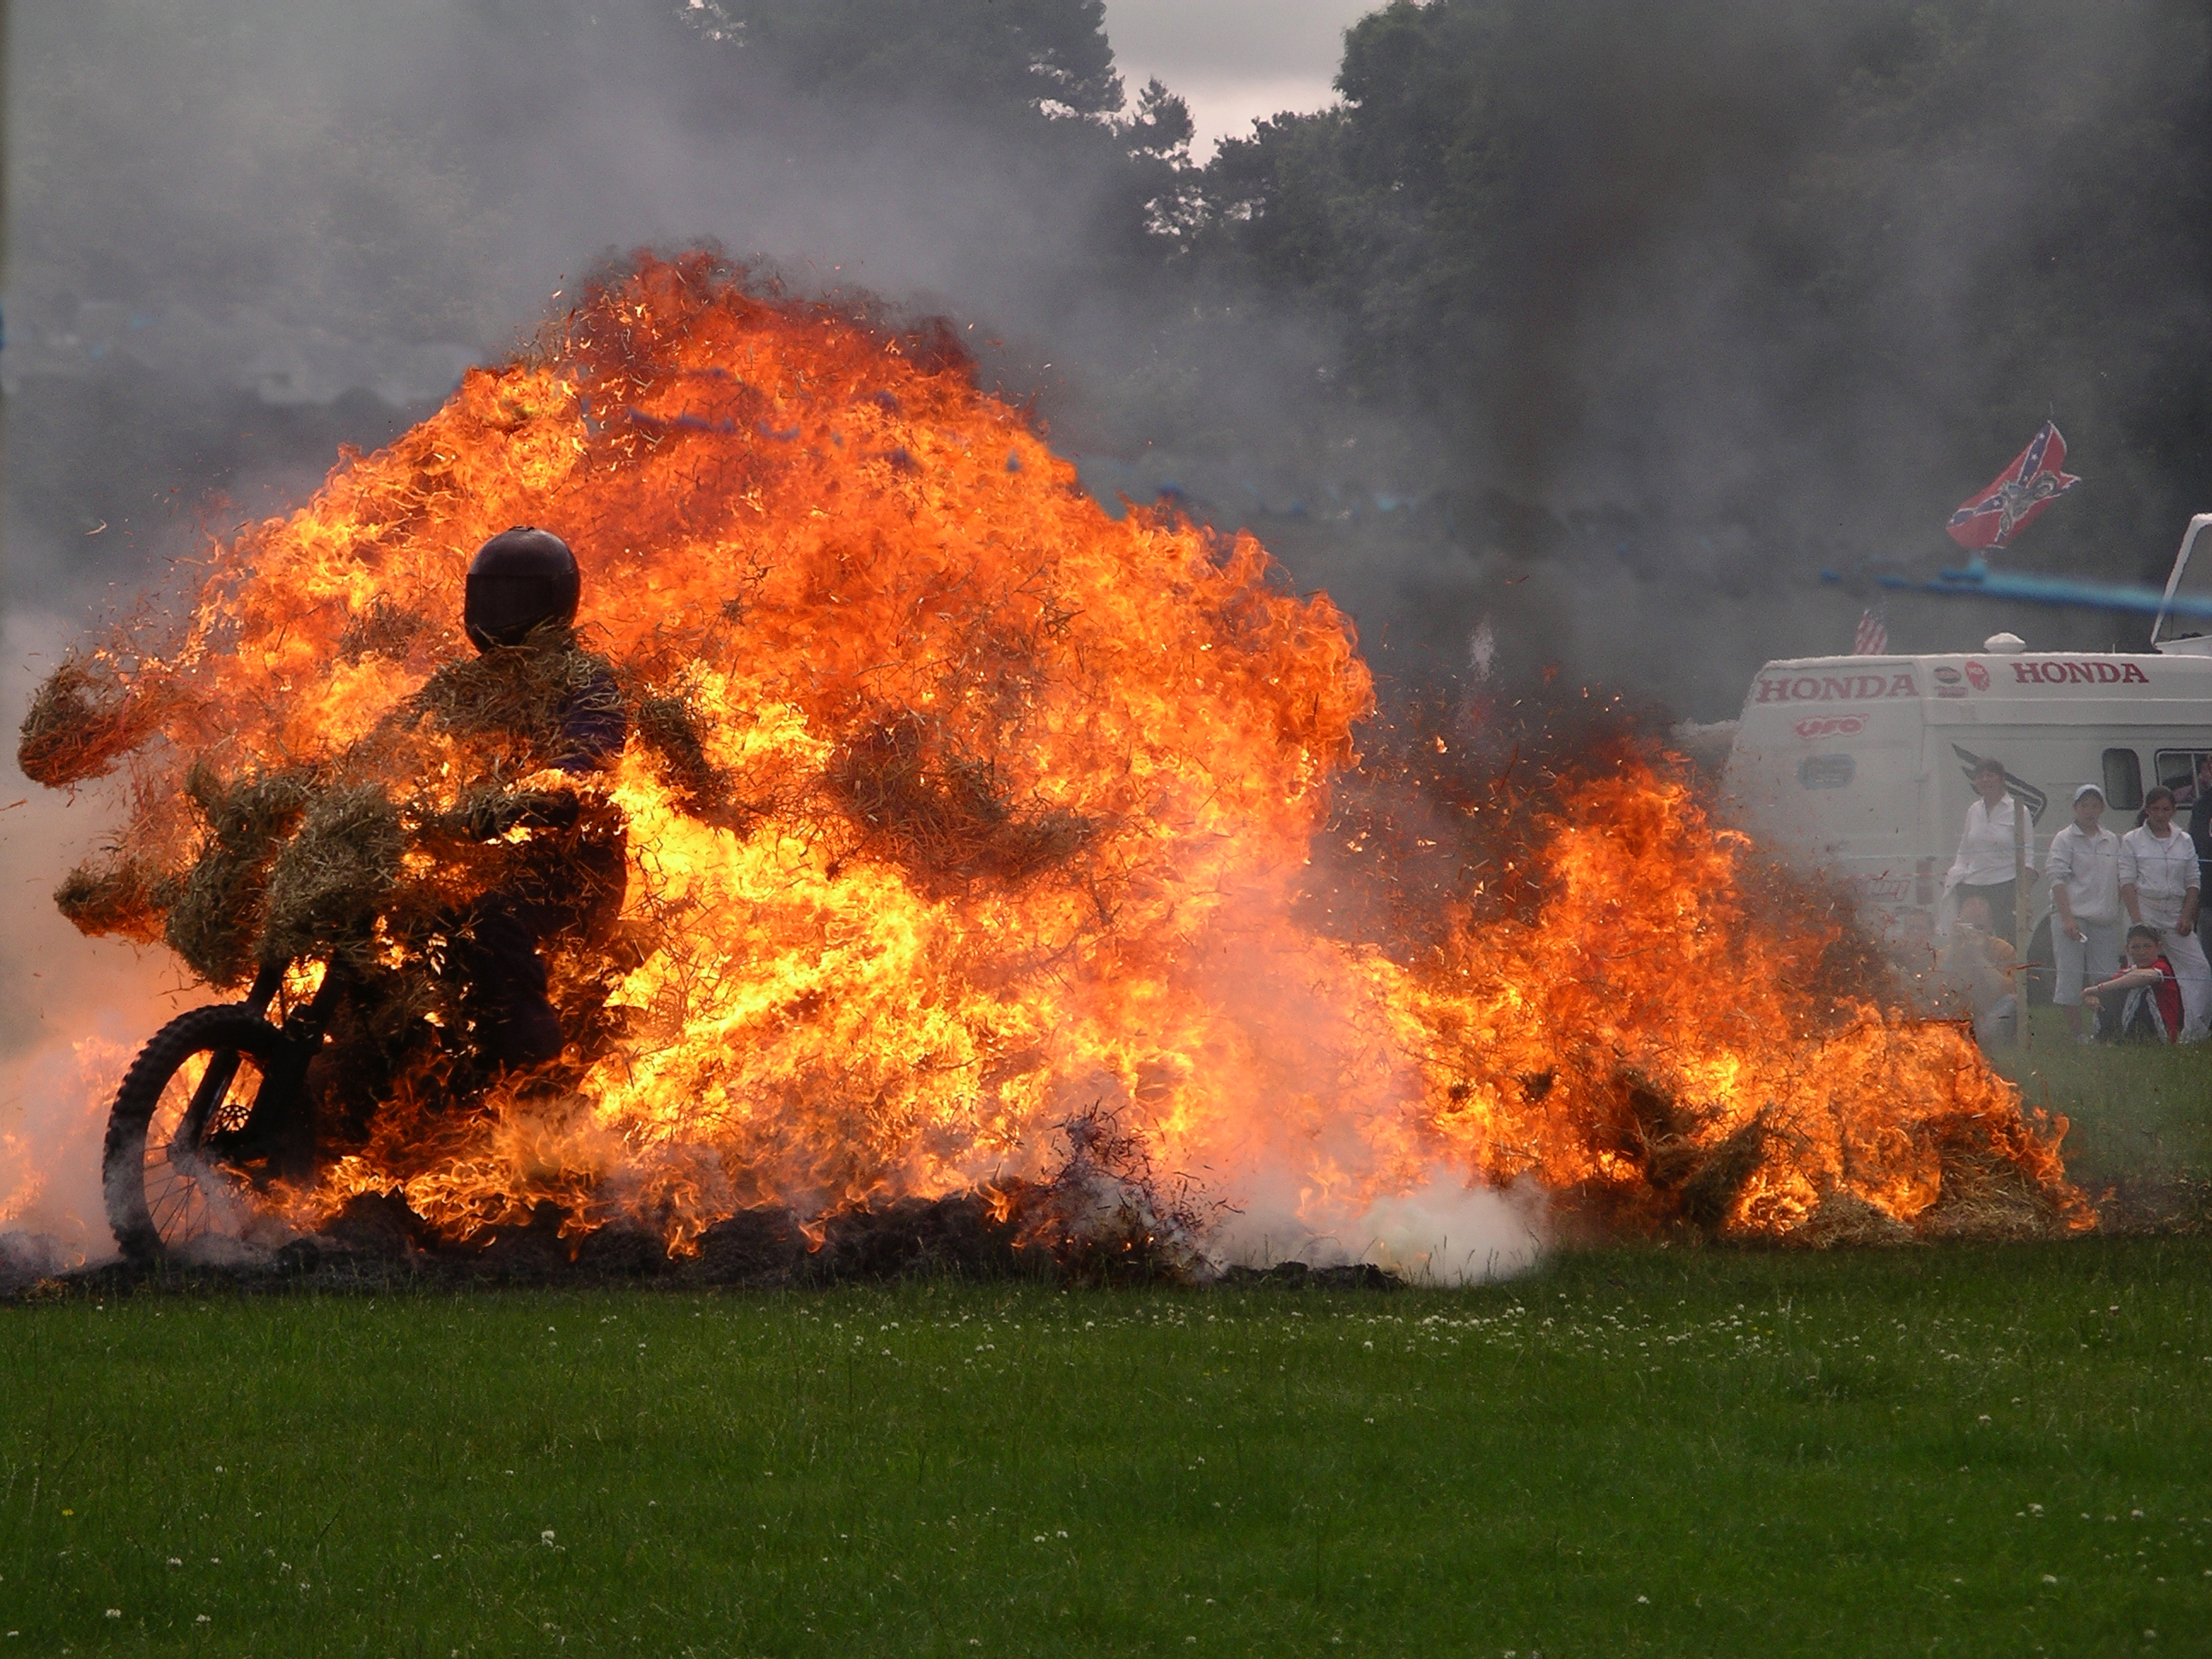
980 848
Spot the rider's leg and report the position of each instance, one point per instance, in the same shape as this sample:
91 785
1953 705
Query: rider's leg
516 1024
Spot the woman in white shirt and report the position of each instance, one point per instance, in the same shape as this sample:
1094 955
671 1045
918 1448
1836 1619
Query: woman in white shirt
2085 904
1985 863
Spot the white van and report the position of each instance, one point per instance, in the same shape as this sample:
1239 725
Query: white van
1863 765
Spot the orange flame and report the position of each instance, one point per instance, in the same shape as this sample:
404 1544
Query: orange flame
1012 807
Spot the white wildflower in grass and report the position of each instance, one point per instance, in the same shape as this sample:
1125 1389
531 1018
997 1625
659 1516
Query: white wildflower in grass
546 1538
115 1613
2050 1577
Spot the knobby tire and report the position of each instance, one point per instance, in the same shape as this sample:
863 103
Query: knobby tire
230 1028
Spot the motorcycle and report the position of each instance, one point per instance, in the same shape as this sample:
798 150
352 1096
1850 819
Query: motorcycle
229 1105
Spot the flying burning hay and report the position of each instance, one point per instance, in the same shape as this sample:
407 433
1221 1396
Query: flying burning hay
956 813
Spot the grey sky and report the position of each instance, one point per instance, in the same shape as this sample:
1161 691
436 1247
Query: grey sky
1234 61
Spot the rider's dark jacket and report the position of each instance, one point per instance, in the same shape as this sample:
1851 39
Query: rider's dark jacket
570 876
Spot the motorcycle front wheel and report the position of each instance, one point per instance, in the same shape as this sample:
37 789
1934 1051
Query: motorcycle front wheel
170 1185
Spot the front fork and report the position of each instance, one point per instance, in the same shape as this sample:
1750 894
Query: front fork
222 1065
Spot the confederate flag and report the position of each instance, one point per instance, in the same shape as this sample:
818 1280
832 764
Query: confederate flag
2021 491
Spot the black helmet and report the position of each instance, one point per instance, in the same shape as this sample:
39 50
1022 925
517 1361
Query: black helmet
518 578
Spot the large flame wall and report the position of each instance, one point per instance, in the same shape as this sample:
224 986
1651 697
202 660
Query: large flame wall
1012 803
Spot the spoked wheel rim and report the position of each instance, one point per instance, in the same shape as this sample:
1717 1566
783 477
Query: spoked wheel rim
191 1194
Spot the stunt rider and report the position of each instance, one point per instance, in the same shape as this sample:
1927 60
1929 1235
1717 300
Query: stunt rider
522 591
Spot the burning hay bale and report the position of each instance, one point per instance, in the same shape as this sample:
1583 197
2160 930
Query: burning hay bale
215 922
383 629
1846 1221
1709 1196
377 1223
1659 1132
965 1236
327 885
513 700
125 898
942 813
84 719
672 729
1987 1197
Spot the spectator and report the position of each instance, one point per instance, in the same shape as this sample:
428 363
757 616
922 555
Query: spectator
2085 901
1985 863
1983 965
2143 1003
2162 887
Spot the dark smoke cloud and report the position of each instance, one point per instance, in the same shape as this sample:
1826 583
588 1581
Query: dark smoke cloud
1679 416
242 236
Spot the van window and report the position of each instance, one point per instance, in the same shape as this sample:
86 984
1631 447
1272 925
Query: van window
2123 779
1826 771
2177 770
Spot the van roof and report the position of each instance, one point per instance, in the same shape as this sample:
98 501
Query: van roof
2156 663
2073 687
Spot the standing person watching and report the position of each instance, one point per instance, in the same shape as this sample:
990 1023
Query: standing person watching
2085 898
1985 868
2162 887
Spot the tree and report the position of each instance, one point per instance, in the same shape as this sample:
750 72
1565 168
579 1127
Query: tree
1718 262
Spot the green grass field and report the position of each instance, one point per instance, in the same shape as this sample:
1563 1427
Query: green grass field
1964 1451
1955 1451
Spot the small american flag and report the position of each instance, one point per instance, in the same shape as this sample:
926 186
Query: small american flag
1873 638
